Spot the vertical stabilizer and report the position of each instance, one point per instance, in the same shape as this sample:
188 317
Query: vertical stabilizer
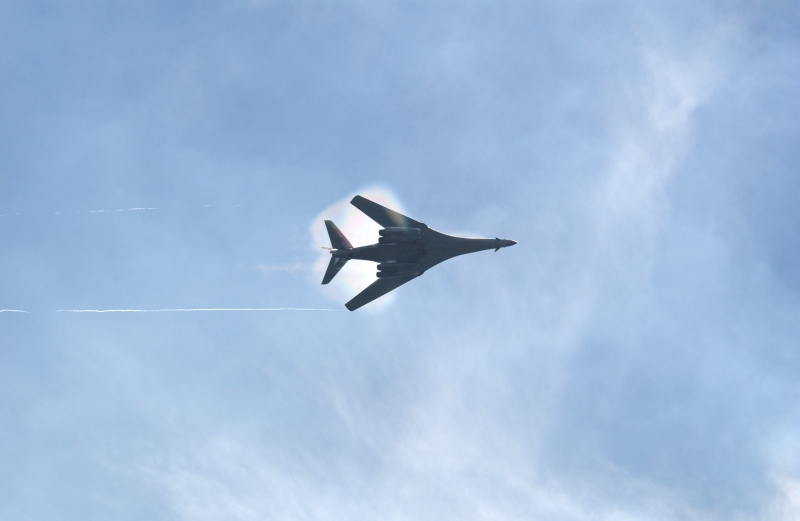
338 240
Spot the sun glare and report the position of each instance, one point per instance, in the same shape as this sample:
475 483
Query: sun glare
360 230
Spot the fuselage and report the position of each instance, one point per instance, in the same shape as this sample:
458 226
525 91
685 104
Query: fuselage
408 252
437 248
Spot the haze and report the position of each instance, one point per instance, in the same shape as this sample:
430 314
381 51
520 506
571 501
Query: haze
634 356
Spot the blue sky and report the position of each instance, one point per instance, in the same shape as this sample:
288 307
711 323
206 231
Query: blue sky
634 356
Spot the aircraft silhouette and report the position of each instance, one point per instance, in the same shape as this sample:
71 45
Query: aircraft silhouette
406 249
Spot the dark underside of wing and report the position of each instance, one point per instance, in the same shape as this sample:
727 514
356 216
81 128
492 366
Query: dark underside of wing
377 289
384 216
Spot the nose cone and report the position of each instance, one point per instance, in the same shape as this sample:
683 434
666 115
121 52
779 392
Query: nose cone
504 243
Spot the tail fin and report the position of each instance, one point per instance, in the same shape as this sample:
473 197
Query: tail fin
338 240
334 266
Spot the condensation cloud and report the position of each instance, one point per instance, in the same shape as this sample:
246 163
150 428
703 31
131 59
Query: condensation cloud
360 230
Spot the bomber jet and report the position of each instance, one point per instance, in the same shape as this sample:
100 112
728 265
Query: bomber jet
406 249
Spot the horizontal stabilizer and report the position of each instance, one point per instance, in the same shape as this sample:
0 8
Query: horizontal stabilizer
338 240
334 266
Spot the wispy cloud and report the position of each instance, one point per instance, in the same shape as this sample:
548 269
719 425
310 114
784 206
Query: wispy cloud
284 268
658 133
594 374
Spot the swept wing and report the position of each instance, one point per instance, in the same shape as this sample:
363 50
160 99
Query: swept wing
377 289
384 216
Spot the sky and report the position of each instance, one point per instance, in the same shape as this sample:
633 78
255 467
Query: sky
634 357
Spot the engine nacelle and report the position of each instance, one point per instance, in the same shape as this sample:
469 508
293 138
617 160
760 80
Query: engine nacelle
396 240
409 233
389 270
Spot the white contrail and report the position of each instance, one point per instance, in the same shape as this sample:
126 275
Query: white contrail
77 212
138 209
122 210
186 310
13 311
